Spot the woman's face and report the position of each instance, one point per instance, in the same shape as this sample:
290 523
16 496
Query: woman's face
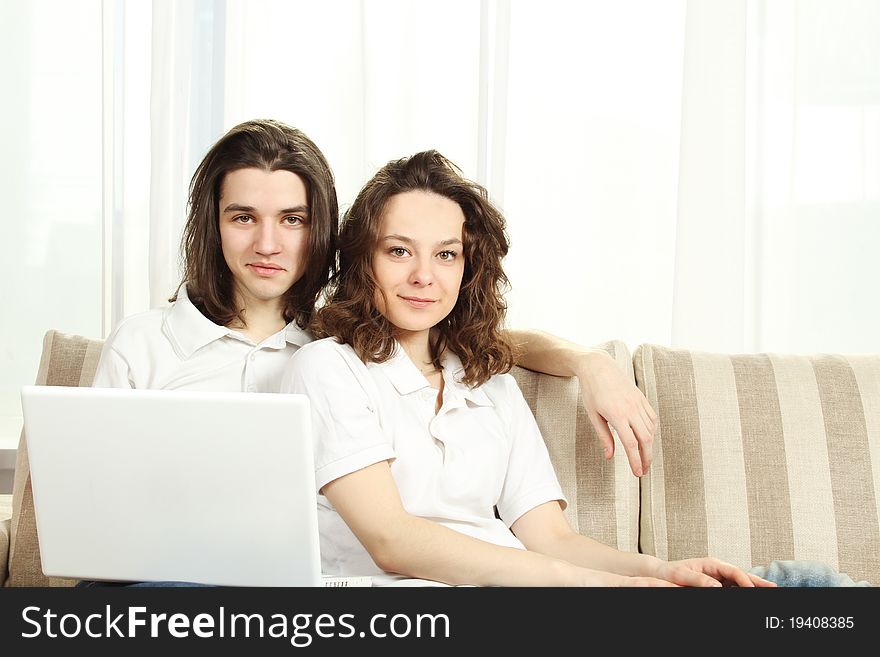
419 260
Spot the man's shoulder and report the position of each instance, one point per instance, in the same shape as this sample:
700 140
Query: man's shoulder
140 326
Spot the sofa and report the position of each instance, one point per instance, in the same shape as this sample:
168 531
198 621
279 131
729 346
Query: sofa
757 457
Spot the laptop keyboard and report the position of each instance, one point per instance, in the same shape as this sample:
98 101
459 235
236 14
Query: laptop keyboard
328 581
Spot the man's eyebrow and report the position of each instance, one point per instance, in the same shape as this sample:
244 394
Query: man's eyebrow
409 240
235 207
296 209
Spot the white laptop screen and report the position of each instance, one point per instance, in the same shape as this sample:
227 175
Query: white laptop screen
147 485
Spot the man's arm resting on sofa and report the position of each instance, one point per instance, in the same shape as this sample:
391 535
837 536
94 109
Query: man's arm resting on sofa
610 398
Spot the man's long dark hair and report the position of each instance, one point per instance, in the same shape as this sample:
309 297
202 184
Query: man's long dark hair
271 146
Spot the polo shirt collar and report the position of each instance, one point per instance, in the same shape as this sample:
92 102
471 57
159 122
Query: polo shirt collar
189 330
406 378
453 372
402 372
296 335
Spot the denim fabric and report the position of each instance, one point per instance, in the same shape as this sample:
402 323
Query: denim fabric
89 584
804 573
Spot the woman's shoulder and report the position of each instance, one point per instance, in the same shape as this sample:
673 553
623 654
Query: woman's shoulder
324 354
325 365
502 389
324 348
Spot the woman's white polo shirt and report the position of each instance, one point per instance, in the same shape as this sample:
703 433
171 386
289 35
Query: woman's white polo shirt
177 347
481 451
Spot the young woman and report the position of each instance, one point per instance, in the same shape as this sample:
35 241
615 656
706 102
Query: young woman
428 460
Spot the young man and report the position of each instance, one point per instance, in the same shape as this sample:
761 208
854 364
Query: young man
259 245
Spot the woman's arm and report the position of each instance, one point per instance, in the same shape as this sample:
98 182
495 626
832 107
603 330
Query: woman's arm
544 529
398 542
610 398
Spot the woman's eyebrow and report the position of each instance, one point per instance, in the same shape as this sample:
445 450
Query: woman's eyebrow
409 240
398 238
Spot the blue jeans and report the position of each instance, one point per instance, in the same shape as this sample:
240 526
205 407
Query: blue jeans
89 584
804 573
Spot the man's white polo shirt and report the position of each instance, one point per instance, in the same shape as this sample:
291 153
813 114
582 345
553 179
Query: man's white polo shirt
177 347
481 451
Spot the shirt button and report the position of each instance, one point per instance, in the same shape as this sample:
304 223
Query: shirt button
252 357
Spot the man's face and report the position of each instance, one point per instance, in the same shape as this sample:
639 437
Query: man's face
264 232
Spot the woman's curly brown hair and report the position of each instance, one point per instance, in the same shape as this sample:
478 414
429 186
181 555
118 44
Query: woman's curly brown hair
473 329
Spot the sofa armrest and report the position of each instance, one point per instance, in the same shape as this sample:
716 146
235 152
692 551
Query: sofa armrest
67 360
603 496
5 525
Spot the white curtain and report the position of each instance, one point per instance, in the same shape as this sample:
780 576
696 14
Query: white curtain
50 182
779 177
664 167
697 173
816 176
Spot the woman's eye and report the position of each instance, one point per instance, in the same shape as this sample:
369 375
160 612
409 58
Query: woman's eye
397 251
446 255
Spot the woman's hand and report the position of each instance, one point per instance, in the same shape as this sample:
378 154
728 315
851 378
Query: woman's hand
588 577
706 572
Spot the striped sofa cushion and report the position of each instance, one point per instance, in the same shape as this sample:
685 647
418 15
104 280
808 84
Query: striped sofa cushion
67 360
603 496
763 457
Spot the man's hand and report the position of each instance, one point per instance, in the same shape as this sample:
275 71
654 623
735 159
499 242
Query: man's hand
610 398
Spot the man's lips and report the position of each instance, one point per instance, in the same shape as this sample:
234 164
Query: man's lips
265 269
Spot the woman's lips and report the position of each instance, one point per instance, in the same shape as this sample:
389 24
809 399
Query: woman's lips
417 302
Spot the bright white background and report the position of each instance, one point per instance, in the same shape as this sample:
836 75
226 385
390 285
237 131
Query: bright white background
703 174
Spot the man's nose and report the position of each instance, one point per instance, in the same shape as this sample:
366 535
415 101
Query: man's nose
267 239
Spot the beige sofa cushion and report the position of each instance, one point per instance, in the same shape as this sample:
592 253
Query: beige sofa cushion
603 496
67 360
762 457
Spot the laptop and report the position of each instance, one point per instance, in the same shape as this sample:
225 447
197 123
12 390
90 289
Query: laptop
161 485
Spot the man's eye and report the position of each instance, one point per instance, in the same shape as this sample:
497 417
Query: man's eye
243 219
293 220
